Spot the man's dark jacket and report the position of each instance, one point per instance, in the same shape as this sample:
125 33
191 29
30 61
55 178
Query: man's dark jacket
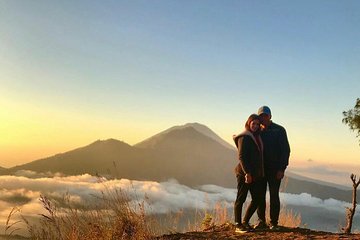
276 147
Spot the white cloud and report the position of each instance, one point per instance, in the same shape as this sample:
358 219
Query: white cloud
305 199
163 197
33 174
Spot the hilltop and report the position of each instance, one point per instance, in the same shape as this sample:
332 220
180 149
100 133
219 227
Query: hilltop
227 232
151 141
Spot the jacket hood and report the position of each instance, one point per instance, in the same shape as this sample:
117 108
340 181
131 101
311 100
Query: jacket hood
247 133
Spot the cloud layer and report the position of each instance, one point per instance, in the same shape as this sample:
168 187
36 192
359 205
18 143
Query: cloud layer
163 197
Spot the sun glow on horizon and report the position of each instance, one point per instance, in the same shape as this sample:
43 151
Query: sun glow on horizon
72 73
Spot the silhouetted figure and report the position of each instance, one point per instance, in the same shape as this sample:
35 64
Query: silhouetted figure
249 172
276 159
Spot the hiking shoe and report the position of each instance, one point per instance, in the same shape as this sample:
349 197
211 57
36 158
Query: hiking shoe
261 226
241 229
274 227
248 227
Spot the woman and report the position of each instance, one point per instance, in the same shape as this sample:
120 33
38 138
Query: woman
249 172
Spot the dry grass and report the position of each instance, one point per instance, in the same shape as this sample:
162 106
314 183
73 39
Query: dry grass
112 218
11 226
288 218
219 215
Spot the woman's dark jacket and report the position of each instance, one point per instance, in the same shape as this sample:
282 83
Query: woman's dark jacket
250 155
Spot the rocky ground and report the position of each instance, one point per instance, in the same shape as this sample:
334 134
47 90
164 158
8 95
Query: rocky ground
228 232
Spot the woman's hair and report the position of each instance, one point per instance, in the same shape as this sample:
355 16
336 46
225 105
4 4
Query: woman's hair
251 118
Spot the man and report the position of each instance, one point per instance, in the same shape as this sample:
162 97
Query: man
276 159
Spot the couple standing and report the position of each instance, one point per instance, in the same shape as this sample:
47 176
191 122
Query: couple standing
263 152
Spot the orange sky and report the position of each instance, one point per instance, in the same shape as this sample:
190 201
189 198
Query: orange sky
74 72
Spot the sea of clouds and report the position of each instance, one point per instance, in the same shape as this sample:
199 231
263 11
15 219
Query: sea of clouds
24 189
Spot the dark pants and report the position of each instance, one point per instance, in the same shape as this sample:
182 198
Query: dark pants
274 187
255 189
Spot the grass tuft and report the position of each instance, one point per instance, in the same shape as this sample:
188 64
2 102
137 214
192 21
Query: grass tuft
113 217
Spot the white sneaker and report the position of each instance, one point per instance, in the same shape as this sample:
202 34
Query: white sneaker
241 229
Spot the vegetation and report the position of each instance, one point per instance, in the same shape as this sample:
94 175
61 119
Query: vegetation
351 211
352 118
11 227
114 217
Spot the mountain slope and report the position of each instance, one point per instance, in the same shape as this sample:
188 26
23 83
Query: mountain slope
193 158
296 186
291 174
198 127
98 157
209 133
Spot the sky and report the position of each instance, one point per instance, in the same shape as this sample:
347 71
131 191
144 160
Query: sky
73 72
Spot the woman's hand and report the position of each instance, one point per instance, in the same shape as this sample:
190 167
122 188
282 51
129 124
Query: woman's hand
279 175
248 178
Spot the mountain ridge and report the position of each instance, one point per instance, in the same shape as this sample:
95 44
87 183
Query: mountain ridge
2 170
184 153
80 158
291 174
197 126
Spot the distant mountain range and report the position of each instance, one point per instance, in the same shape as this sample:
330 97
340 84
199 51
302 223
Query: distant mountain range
183 153
192 154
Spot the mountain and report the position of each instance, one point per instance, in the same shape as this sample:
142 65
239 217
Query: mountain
98 157
194 158
316 189
291 174
179 138
198 127
186 153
